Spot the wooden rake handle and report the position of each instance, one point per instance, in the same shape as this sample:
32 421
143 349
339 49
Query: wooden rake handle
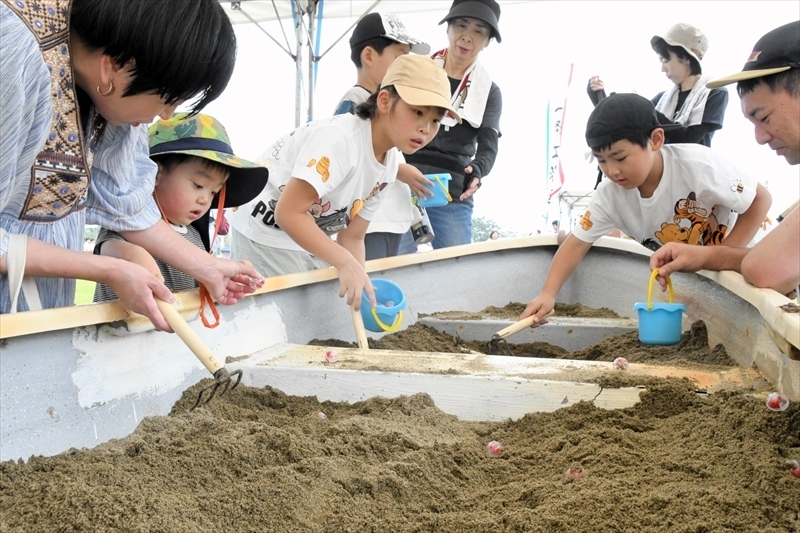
358 325
189 337
519 326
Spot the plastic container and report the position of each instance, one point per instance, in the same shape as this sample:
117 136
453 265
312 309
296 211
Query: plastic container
659 323
384 318
441 191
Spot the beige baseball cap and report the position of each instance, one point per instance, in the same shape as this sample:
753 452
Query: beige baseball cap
687 37
419 80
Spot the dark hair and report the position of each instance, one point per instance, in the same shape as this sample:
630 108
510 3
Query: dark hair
379 44
641 139
369 108
788 80
180 49
170 161
663 50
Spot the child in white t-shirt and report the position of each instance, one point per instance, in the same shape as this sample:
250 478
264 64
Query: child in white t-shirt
655 194
376 41
327 178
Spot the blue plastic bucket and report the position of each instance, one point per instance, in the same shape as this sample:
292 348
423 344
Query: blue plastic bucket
659 323
441 191
384 318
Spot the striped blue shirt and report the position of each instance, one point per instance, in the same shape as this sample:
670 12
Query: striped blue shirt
122 174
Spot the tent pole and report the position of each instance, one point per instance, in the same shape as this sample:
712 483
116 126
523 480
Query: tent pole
298 92
312 12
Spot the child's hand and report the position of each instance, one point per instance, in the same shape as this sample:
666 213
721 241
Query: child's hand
353 281
416 181
538 308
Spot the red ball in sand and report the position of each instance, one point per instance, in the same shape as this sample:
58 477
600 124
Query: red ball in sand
620 363
576 472
777 402
331 356
494 448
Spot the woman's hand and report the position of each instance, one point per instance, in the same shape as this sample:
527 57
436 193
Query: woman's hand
353 281
229 281
137 289
596 84
474 182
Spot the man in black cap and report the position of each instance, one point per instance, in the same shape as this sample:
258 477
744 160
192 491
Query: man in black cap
655 193
769 86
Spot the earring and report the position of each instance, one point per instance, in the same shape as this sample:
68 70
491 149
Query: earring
110 90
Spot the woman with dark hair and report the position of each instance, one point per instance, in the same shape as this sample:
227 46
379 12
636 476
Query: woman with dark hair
82 80
466 151
688 102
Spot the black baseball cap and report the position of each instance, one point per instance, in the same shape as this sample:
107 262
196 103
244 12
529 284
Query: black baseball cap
621 116
486 10
777 51
389 27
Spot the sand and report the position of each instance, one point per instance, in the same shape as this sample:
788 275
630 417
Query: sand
256 460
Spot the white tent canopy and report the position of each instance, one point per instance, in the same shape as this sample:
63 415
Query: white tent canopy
306 18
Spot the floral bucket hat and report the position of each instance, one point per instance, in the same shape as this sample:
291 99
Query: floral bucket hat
204 136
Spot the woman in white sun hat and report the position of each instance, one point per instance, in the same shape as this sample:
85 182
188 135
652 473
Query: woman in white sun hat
688 101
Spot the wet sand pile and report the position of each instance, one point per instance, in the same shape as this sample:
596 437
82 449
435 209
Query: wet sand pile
256 460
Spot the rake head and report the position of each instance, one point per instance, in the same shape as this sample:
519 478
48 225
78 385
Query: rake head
498 346
221 385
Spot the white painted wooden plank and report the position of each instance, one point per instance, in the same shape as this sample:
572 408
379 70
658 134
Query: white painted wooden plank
471 398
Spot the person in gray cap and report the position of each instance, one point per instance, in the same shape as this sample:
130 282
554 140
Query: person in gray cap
769 87
688 102
466 151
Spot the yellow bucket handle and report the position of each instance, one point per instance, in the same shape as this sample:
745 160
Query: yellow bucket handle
390 329
445 189
650 289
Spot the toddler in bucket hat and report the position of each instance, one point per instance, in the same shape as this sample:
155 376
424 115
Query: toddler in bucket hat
197 171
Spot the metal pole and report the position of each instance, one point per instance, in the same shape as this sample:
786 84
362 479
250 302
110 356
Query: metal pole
312 11
298 98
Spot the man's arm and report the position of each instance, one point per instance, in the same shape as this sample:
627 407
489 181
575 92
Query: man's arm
775 261
772 263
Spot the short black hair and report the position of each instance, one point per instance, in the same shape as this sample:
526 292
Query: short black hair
663 50
369 108
181 49
379 44
788 80
170 161
642 139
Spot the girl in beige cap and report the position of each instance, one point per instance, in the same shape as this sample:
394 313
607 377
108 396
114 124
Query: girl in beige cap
329 178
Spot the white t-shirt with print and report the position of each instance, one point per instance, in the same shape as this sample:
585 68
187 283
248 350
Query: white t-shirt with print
335 156
696 201
395 214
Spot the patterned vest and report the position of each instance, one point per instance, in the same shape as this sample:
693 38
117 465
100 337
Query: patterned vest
60 174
